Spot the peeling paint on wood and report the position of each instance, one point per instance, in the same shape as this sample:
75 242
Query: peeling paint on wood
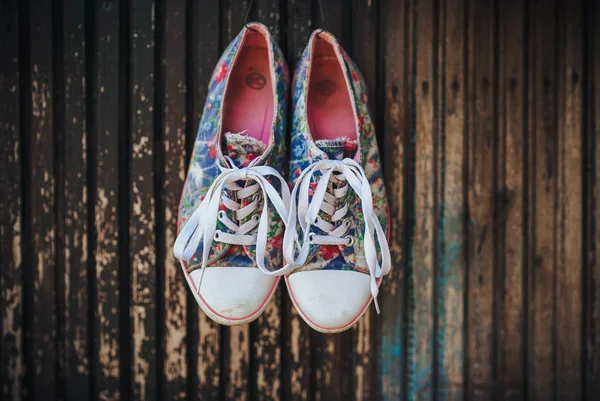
12 369
174 333
142 221
106 137
72 188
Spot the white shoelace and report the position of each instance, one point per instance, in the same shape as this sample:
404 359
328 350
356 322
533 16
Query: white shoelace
306 213
202 224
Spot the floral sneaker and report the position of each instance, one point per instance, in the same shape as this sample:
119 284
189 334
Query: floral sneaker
234 200
335 243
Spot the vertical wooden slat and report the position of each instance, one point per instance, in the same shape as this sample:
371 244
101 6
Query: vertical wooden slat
364 52
592 290
41 207
568 204
397 131
481 187
421 385
105 148
511 244
267 339
451 250
73 207
296 380
173 114
204 52
142 245
542 159
11 214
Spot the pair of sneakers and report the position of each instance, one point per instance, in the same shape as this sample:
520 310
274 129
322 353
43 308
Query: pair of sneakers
241 228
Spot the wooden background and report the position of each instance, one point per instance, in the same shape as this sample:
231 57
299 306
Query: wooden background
488 114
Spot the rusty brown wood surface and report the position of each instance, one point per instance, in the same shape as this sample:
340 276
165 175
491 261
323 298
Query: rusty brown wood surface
488 118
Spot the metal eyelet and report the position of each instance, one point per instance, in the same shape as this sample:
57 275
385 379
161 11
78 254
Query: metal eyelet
255 217
310 237
216 236
350 239
222 214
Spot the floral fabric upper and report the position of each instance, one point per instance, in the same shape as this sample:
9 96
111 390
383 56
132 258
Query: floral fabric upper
212 145
305 151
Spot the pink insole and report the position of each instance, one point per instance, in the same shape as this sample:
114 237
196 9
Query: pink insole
248 103
330 113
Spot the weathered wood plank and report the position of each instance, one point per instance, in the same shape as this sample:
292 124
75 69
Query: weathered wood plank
451 170
172 53
542 168
592 289
72 187
297 352
511 242
396 148
41 208
364 19
142 221
203 54
11 204
421 386
236 363
106 145
568 321
481 187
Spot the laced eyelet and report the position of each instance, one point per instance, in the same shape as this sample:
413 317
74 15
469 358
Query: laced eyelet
255 217
350 240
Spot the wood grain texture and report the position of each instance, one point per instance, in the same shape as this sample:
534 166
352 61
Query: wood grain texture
451 275
397 136
171 174
592 279
72 194
142 221
511 241
421 386
41 208
542 157
481 188
204 50
487 115
106 146
12 368
568 203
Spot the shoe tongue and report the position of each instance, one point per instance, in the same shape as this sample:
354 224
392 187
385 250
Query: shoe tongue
339 148
242 148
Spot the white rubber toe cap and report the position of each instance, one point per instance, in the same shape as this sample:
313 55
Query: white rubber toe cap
330 301
232 295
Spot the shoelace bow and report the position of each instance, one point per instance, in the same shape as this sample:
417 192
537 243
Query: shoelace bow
306 214
202 224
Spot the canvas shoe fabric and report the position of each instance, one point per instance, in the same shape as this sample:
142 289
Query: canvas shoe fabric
335 242
234 201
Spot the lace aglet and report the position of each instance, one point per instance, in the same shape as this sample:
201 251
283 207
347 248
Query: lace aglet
376 305
200 281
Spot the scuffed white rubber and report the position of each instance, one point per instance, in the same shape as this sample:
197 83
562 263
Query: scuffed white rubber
232 295
329 301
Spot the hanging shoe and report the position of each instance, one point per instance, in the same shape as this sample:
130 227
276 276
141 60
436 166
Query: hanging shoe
234 201
335 242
